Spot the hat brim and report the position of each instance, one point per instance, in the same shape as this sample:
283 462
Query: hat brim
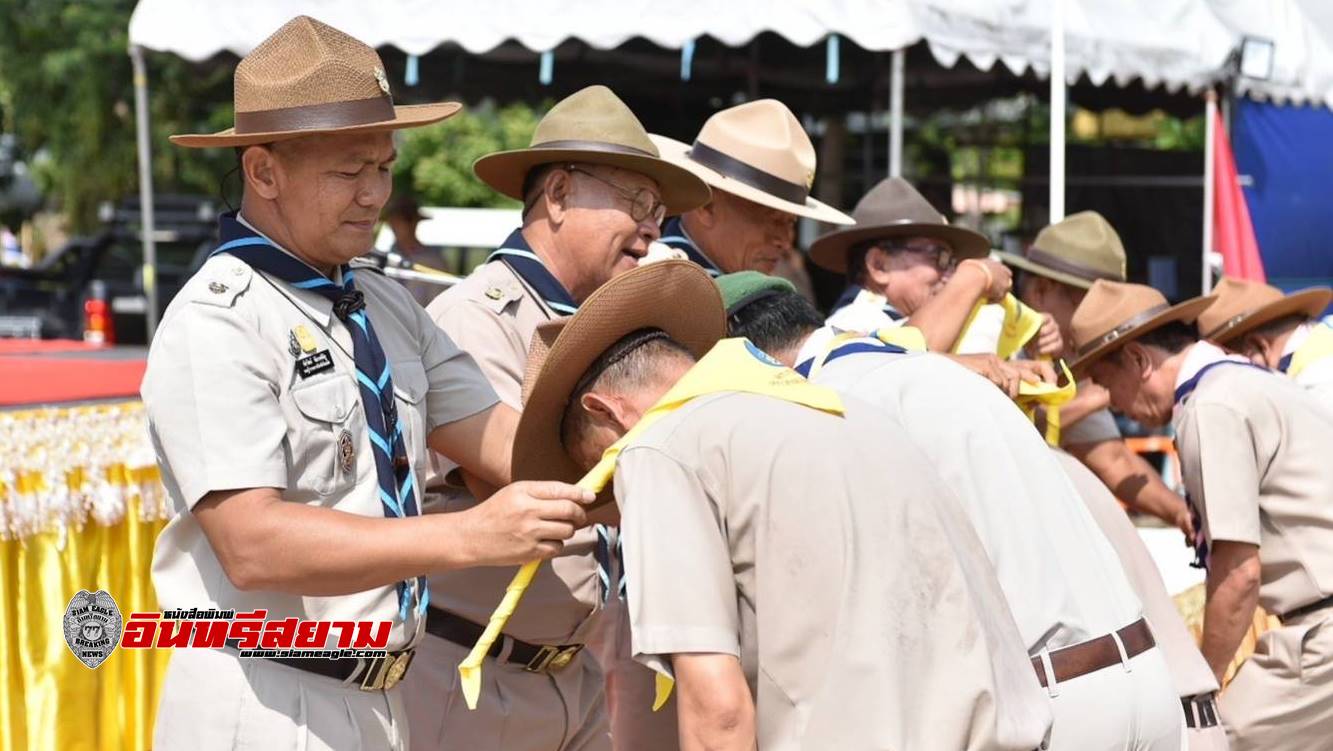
681 189
1033 267
830 251
1185 312
677 152
1311 302
677 297
405 116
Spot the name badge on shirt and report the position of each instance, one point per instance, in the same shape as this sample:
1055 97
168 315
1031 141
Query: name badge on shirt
316 363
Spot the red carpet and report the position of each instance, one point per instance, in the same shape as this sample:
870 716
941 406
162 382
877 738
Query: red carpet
49 372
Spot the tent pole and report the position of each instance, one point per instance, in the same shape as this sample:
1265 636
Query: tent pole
896 113
1209 147
147 227
1057 158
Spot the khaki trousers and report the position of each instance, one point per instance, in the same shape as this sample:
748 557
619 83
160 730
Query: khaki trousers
1282 697
631 689
1130 707
213 699
563 710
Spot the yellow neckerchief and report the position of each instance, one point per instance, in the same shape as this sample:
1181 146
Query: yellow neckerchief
1317 346
732 365
1021 323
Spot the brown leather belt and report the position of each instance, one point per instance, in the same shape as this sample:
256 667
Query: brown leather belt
1315 606
1093 655
534 658
1200 710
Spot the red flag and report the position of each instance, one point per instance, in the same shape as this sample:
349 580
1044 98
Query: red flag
1233 233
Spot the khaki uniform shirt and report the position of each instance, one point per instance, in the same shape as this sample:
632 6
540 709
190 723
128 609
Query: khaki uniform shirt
1096 427
1060 575
492 315
228 409
1254 450
825 555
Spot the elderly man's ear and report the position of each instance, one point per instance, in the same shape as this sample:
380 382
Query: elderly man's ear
555 194
605 408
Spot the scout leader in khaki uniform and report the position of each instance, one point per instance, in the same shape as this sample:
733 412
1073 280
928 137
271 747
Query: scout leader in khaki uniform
594 193
1254 454
906 265
291 403
760 164
1078 617
796 567
1277 331
1059 267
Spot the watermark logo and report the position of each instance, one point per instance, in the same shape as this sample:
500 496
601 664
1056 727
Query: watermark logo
92 626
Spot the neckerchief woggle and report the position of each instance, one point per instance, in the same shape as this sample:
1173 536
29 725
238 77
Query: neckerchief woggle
1185 389
393 471
518 256
731 365
1317 346
675 236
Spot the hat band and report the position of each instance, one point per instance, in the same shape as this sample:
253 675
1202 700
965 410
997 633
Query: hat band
754 177
600 146
326 116
1056 263
1124 328
1228 324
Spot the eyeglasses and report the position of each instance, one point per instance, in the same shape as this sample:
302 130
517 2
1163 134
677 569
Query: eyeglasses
940 253
644 204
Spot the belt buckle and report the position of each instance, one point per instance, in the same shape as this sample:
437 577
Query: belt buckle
383 673
550 659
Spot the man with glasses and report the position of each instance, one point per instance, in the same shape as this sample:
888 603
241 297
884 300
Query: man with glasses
594 193
906 265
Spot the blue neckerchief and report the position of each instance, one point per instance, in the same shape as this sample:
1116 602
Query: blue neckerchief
1188 387
517 255
674 235
397 491
848 297
854 347
1285 363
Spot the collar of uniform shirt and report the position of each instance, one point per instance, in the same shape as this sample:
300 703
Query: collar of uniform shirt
1199 358
675 236
519 256
337 277
858 295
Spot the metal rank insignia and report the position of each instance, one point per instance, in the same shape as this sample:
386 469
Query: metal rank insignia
494 293
217 288
346 452
303 339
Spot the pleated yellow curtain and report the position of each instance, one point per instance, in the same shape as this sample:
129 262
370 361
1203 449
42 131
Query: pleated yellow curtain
48 699
80 508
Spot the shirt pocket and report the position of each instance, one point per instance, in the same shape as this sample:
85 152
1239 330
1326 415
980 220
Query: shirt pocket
409 391
326 446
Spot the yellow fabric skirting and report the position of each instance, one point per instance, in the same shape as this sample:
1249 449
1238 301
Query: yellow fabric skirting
82 508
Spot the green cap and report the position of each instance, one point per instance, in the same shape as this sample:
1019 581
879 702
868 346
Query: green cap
744 287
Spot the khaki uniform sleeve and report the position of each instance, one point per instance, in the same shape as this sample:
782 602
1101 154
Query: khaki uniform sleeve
1095 428
682 595
212 400
1227 484
457 387
498 350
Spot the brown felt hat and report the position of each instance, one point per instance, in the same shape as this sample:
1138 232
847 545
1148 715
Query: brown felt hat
677 297
891 209
310 78
1078 250
757 151
1241 306
1114 313
592 126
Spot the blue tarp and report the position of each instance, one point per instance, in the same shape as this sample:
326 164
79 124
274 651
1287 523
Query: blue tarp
1285 154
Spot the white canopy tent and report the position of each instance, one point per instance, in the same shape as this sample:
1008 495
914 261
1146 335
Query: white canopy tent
1176 44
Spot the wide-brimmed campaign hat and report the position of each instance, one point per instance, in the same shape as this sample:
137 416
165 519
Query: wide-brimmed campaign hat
677 297
893 208
592 126
757 151
310 78
1078 250
1241 306
1115 313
